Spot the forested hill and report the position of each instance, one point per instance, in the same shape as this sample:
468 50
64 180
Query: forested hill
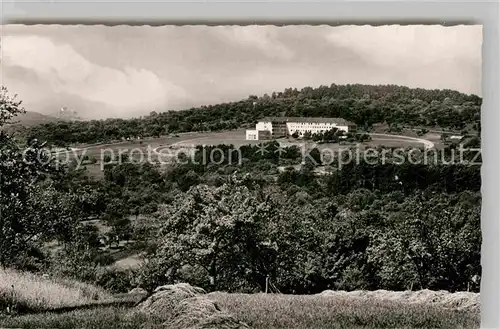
363 104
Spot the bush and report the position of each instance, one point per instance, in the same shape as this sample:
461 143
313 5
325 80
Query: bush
114 280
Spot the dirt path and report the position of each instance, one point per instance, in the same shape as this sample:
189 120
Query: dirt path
427 143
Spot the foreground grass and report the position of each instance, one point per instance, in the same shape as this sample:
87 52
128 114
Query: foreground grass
274 312
298 312
101 318
29 292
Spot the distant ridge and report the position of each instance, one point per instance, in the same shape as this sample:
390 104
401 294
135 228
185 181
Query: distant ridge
31 118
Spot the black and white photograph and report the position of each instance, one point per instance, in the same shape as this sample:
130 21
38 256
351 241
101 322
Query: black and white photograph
240 176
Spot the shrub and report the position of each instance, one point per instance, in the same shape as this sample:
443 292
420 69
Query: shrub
114 280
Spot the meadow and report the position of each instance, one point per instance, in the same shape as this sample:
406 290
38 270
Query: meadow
271 311
43 299
170 147
26 292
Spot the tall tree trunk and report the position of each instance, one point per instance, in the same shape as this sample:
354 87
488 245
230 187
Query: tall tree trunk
213 272
213 267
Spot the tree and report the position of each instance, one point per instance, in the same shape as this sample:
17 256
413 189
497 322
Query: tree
216 230
432 245
32 210
307 135
185 181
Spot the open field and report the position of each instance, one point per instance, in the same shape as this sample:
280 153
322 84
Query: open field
313 311
236 138
270 311
168 147
106 317
44 298
30 292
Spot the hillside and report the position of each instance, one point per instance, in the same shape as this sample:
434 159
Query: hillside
365 105
31 118
24 121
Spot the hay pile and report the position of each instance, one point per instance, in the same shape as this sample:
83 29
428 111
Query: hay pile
182 306
138 291
457 300
462 300
201 312
165 298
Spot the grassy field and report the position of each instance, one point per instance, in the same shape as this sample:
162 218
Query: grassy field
235 137
100 318
274 312
294 312
27 292
170 146
270 311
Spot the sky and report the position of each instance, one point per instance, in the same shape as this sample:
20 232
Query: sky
124 71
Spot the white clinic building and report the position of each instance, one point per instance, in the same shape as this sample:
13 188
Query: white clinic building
276 127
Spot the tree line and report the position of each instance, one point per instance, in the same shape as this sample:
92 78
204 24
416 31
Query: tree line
364 105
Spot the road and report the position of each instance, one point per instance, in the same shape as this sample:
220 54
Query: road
427 143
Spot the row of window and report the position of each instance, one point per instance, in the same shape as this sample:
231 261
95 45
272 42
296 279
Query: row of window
317 127
311 123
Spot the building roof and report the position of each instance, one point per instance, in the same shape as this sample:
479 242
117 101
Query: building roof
338 121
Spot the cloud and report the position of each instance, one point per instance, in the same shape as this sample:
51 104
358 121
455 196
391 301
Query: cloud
261 38
418 44
130 70
66 71
427 56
